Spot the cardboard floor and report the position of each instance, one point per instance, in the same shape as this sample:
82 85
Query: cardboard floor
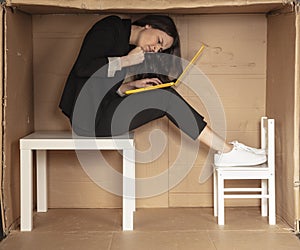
163 228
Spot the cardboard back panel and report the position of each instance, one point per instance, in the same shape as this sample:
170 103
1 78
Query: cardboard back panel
1 112
281 106
18 104
236 68
56 42
235 64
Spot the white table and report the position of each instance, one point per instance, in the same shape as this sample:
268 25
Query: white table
41 141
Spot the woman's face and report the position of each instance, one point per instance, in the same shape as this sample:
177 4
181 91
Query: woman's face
154 40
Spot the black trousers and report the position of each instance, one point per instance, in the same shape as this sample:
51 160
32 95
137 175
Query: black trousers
118 115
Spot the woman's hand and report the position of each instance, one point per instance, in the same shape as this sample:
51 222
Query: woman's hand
135 56
139 84
144 83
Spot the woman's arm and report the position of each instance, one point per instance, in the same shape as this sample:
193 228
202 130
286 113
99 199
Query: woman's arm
98 51
94 52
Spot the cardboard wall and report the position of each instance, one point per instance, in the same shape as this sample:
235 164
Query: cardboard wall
1 110
18 104
281 105
246 62
235 63
297 123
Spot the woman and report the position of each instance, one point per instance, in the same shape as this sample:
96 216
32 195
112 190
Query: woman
110 47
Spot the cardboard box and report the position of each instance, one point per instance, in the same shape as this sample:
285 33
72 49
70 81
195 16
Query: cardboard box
252 61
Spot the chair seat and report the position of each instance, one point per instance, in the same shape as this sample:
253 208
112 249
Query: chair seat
261 167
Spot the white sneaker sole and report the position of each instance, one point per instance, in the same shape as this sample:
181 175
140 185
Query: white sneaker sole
240 164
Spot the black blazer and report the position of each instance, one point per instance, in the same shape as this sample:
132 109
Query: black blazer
109 37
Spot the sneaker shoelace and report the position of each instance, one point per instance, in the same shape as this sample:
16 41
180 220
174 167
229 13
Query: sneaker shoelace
239 145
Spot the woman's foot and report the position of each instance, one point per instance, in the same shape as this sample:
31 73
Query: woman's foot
240 155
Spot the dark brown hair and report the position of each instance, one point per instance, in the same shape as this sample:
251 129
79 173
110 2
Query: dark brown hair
166 24
159 63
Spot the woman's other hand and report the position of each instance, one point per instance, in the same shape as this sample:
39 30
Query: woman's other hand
135 56
142 83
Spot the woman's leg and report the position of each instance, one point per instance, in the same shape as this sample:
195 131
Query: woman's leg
138 109
214 141
121 115
202 131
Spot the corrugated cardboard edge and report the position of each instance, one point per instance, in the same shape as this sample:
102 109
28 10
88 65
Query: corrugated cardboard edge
281 86
297 122
1 110
129 6
147 5
17 106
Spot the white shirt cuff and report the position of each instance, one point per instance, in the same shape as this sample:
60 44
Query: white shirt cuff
114 64
120 93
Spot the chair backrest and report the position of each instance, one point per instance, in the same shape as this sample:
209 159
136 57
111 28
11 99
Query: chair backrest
268 140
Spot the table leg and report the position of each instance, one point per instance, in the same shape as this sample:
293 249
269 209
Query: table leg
41 175
128 188
26 190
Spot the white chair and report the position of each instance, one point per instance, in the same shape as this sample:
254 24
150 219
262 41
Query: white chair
264 172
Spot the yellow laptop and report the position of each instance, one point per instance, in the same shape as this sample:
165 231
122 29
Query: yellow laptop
169 84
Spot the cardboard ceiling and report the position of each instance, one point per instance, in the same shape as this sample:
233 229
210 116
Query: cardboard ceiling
128 6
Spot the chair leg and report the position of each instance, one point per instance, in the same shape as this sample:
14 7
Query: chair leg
264 201
215 193
221 212
272 206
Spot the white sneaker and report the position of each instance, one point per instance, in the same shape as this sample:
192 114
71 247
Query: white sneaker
240 155
258 151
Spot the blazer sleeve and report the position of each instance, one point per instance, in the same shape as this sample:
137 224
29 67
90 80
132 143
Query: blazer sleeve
97 46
